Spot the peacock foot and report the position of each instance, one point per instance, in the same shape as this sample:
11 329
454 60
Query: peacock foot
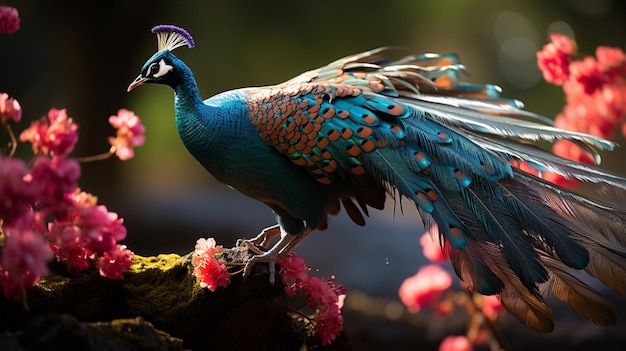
263 239
282 247
270 257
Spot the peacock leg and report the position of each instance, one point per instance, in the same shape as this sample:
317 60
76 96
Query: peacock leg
293 243
263 239
286 243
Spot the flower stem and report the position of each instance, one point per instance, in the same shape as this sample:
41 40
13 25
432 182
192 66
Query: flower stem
13 141
99 157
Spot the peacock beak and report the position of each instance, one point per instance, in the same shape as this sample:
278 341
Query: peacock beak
137 82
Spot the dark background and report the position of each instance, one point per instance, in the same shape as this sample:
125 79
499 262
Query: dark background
82 56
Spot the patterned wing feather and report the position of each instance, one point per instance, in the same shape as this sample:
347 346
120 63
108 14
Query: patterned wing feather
412 126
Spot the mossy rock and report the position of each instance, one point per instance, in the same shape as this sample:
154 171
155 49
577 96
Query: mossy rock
250 314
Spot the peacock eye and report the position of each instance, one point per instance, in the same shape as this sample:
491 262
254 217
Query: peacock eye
159 69
154 69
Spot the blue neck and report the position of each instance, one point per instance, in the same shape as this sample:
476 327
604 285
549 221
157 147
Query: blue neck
192 116
207 128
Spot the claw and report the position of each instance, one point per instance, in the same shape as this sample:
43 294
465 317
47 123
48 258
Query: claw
264 238
284 245
269 257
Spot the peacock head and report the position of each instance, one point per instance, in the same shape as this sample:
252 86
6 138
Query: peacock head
161 68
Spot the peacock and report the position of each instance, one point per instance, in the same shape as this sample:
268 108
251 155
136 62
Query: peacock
367 126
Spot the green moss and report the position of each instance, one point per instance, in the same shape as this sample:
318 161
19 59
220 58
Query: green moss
53 282
160 287
163 262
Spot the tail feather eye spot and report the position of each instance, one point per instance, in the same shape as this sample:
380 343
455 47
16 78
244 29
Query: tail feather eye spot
368 145
357 170
346 133
395 110
328 112
343 114
322 142
364 132
333 135
353 150
443 137
369 119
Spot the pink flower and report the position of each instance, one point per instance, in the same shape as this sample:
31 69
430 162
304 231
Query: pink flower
16 191
101 229
424 287
90 232
612 61
23 261
293 270
206 246
54 135
115 262
9 108
206 267
9 20
491 306
456 343
431 246
586 77
595 90
130 133
553 60
54 180
324 296
328 323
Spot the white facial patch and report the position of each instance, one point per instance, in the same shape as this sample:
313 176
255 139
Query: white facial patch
163 69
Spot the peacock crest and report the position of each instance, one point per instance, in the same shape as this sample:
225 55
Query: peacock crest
170 37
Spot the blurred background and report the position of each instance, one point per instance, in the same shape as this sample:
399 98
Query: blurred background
82 55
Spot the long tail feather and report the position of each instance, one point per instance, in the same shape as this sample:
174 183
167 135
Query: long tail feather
448 146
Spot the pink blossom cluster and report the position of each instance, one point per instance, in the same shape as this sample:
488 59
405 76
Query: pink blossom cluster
9 19
424 288
43 214
54 135
595 89
323 296
10 109
89 232
431 246
130 133
430 287
206 267
456 343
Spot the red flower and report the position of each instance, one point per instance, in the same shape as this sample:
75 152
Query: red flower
456 343
424 287
586 77
553 60
130 133
9 109
9 20
115 262
54 135
206 267
595 91
612 61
